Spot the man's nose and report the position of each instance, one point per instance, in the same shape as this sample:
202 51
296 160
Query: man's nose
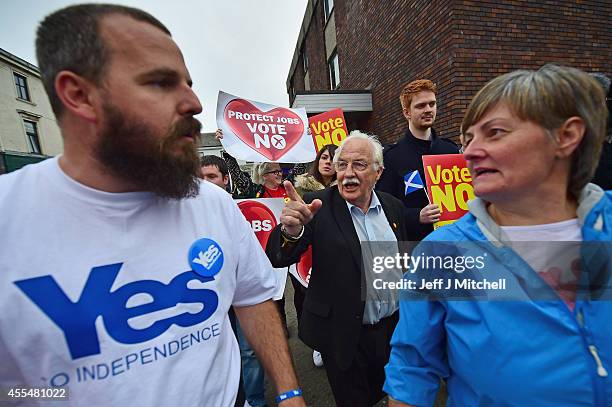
190 104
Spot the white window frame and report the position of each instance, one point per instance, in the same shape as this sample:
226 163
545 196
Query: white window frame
328 6
333 66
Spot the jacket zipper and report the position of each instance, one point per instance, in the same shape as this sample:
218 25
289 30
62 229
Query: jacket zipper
600 373
579 317
601 370
596 376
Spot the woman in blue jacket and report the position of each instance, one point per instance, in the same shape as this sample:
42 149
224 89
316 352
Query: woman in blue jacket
531 140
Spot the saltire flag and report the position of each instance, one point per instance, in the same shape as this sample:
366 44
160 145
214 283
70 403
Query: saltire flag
413 182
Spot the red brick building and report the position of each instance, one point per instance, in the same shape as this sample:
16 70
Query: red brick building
357 54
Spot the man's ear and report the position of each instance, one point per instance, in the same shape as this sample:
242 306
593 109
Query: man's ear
406 113
379 172
569 135
77 94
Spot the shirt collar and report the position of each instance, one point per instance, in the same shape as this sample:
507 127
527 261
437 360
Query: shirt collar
374 204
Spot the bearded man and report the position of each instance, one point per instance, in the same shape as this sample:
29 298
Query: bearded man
121 265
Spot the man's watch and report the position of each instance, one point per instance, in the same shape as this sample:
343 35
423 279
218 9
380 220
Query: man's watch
290 238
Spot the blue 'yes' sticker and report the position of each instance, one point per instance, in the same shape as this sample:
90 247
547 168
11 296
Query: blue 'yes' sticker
206 257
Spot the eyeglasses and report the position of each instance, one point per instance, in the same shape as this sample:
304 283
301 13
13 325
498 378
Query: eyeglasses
275 172
357 166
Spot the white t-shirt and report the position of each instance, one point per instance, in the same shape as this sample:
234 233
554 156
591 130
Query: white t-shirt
553 251
106 293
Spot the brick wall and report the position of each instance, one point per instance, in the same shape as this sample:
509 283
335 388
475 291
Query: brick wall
491 39
314 44
460 45
384 44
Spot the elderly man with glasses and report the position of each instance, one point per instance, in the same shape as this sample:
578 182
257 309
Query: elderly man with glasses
344 224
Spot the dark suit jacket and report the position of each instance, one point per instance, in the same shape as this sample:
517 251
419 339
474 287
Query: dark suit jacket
333 309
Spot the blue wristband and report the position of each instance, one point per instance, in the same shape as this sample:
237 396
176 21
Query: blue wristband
288 395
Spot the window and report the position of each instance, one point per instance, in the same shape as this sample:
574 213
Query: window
334 71
21 84
329 7
32 135
305 60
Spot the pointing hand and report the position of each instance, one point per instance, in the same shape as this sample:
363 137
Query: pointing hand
296 213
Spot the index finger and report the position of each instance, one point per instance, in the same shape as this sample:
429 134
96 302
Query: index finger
291 192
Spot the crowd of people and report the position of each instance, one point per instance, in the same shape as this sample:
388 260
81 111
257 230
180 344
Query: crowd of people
127 279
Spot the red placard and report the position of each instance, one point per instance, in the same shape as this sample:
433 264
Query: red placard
304 267
449 185
328 128
261 218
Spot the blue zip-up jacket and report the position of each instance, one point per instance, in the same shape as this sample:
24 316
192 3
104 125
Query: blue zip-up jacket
509 353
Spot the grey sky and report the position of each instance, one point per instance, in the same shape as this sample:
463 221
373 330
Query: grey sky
243 47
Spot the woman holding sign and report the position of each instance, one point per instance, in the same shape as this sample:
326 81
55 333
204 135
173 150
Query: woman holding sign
531 141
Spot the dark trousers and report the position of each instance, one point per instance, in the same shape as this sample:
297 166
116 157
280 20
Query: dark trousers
361 385
299 294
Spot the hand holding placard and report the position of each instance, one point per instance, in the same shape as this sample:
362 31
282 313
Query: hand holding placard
430 214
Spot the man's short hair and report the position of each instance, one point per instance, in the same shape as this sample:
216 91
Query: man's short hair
69 39
548 97
414 87
377 149
216 161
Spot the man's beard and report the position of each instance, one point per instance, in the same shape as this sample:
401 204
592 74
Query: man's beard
132 151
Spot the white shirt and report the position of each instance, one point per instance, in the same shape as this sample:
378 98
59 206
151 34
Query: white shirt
553 251
98 291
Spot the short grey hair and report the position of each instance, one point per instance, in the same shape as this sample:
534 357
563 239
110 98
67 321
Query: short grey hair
377 149
260 169
548 97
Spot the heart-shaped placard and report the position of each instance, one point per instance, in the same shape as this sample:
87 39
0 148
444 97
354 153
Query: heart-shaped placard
268 139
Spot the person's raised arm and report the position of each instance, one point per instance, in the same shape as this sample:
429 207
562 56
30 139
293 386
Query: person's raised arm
241 181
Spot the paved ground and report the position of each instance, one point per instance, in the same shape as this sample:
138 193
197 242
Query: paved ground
312 379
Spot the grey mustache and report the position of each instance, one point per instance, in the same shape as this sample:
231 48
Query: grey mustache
351 180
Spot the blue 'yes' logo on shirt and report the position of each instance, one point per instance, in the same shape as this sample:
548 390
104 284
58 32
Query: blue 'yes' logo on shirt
206 257
78 319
